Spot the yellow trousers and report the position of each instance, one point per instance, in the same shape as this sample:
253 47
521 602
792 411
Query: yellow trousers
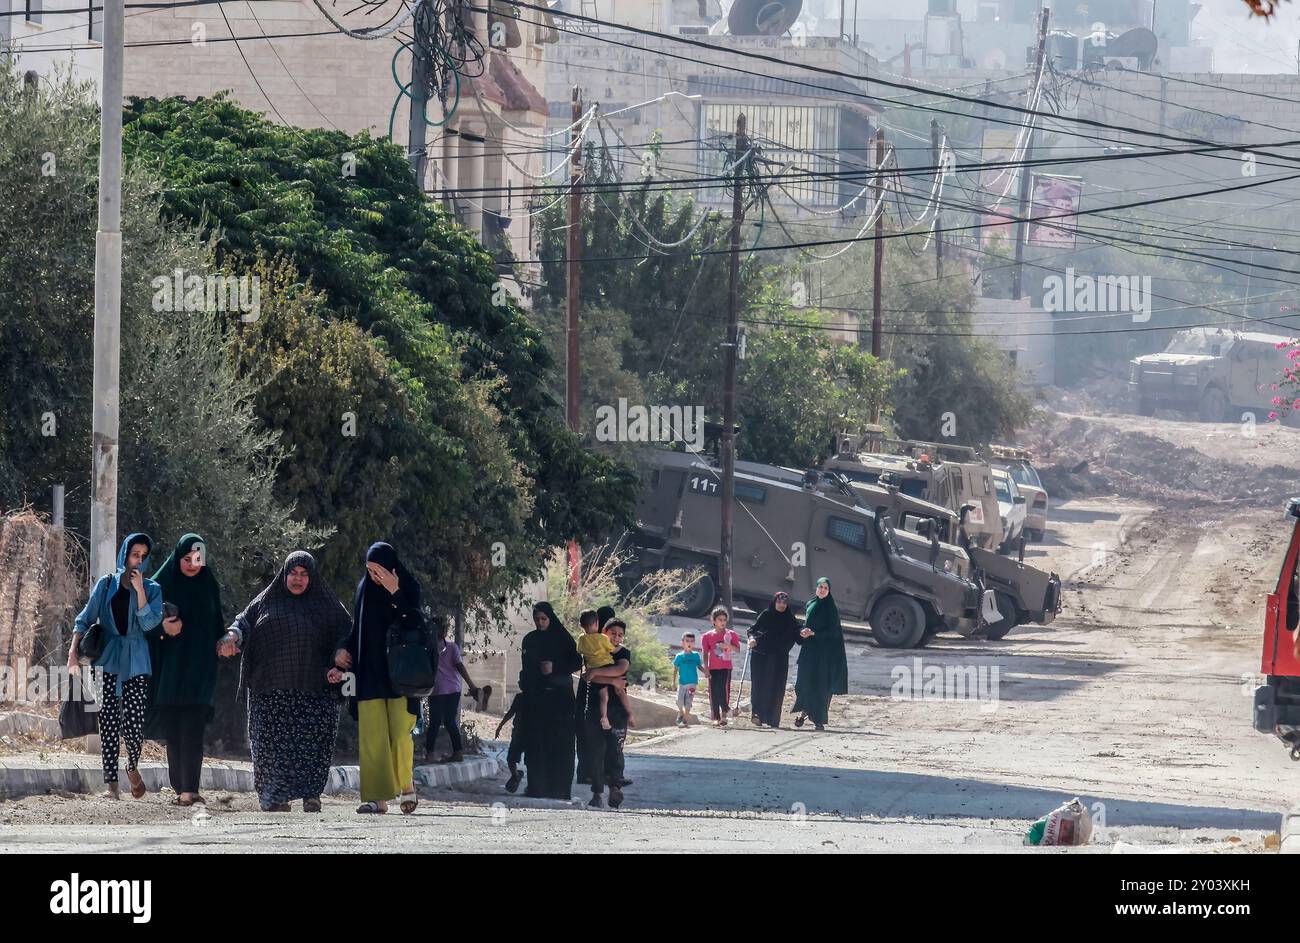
387 748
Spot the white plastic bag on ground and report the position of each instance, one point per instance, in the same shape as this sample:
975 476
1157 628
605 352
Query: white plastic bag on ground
1070 824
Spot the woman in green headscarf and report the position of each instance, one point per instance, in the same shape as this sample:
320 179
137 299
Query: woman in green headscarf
823 666
184 657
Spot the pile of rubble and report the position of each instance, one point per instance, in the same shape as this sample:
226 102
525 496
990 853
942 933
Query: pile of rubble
1078 457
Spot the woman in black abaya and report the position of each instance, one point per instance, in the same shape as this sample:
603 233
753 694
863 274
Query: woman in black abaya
549 658
771 638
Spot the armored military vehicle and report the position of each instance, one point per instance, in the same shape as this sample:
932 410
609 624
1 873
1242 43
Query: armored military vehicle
785 537
1022 593
956 481
1216 373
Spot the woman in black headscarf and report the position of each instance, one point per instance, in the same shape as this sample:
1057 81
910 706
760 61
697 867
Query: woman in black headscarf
385 719
771 637
549 656
184 659
823 666
288 635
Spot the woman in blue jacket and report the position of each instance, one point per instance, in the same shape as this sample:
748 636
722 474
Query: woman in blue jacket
128 607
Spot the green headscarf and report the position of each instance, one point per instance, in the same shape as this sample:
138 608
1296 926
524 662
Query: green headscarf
199 596
823 615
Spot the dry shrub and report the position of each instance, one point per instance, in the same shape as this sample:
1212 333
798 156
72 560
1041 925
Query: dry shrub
601 583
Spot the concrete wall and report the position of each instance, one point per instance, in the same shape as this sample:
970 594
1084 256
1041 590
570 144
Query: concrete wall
1023 333
60 43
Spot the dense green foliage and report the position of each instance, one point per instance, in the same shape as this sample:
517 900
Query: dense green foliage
460 447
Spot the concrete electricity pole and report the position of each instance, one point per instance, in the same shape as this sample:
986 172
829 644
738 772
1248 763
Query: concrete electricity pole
935 157
878 259
729 350
421 68
1022 227
573 303
108 302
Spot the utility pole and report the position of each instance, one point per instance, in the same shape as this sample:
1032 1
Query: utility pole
878 259
108 302
421 70
739 164
878 244
573 381
1022 227
935 155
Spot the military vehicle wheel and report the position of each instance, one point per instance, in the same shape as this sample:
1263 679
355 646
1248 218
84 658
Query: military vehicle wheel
1007 609
897 622
696 600
1214 405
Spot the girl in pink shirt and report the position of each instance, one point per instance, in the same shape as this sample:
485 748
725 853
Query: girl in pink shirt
718 646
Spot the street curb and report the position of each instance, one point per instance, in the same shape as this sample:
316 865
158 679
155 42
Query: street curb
1291 833
17 781
20 723
348 778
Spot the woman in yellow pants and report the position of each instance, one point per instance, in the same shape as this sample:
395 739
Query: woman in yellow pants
386 720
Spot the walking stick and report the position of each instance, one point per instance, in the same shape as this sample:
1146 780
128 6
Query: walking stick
743 671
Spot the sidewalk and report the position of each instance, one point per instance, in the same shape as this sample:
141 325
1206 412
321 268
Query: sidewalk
29 774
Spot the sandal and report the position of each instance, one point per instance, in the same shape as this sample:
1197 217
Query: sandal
111 791
370 808
182 801
137 784
800 720
409 800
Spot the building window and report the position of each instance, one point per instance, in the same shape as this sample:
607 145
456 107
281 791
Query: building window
35 10
850 533
786 134
96 18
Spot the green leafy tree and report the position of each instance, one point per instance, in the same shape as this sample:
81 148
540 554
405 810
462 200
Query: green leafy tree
346 210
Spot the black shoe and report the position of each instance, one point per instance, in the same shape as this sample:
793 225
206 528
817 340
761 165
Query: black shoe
596 802
311 805
615 797
624 782
819 726
584 780
512 784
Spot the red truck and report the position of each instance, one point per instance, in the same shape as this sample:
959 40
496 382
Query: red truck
1277 701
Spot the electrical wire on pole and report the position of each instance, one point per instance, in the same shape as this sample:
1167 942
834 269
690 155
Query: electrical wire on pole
740 168
1025 176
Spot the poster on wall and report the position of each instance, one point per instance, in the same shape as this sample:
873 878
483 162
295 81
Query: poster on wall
1055 200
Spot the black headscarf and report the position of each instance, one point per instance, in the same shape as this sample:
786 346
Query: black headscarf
553 644
603 615
289 641
776 632
185 665
368 591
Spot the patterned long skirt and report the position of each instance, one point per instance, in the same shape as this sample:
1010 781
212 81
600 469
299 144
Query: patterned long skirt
291 734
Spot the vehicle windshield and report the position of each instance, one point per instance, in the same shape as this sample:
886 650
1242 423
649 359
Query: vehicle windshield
1194 342
1003 487
1025 475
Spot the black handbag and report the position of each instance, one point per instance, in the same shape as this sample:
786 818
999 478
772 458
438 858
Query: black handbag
412 656
76 719
91 643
